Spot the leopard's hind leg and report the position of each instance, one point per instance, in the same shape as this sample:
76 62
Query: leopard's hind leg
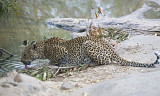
96 52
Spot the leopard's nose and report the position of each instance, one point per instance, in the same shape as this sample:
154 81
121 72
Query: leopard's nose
26 62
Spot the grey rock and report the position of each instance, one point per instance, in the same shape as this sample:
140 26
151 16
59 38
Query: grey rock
12 74
6 79
140 48
67 85
9 78
21 85
25 78
34 82
144 84
8 84
27 87
13 91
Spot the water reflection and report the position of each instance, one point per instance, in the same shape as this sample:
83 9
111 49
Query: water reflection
78 8
33 13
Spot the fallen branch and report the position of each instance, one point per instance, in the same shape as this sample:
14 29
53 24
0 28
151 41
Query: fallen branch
56 67
2 51
57 72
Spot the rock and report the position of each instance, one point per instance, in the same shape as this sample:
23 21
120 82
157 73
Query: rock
6 79
53 88
68 85
9 78
12 91
21 85
142 84
28 88
12 74
139 46
23 79
8 84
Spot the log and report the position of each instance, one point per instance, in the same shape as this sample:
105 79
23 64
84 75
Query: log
133 23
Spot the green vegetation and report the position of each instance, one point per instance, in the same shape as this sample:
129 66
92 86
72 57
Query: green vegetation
8 8
46 72
116 34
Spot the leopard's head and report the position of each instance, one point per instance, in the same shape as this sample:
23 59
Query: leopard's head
30 54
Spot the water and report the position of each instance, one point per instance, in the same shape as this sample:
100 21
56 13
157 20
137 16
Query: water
33 13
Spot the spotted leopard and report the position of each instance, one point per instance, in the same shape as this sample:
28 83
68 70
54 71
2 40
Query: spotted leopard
80 50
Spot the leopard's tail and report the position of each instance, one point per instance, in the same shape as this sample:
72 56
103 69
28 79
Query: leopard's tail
123 62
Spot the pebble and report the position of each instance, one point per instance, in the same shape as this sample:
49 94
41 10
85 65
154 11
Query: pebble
68 85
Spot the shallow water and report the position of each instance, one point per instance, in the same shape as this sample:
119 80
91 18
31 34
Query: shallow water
33 13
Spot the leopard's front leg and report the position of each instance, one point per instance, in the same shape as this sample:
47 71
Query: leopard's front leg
58 55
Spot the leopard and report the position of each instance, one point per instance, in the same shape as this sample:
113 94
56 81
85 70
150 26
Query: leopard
77 51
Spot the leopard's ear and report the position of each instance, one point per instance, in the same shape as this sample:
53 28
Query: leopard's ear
33 43
25 42
34 46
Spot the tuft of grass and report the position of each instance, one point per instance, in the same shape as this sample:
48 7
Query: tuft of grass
46 72
116 34
8 8
41 72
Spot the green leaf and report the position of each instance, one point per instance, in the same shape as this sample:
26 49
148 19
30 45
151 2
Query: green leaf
34 73
44 76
